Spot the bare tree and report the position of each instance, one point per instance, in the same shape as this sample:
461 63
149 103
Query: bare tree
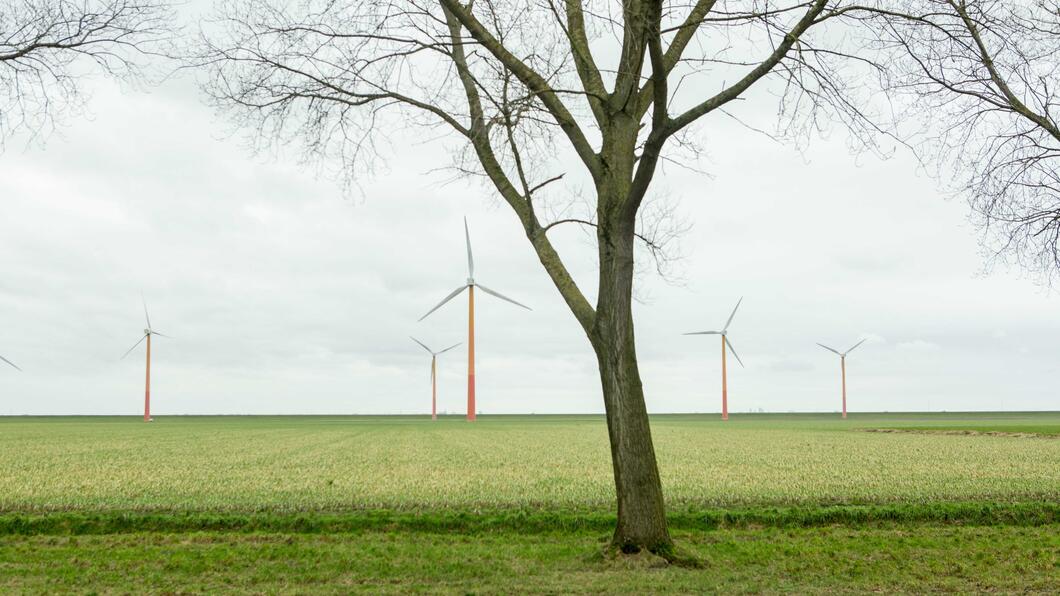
538 95
983 80
48 46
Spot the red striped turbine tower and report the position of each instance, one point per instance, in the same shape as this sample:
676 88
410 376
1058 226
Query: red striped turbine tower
724 333
470 287
148 332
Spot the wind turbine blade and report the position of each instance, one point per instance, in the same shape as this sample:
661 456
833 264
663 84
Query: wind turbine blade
829 349
726 327
429 351
492 293
450 348
857 344
446 299
703 333
470 261
134 346
733 350
15 366
146 316
153 332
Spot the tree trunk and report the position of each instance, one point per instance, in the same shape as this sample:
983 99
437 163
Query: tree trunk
641 509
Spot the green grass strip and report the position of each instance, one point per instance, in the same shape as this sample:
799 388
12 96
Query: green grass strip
536 522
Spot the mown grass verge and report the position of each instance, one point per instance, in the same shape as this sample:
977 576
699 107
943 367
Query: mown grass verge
888 559
529 522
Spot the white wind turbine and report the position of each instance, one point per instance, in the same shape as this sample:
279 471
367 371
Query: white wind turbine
724 343
148 332
434 374
470 287
843 367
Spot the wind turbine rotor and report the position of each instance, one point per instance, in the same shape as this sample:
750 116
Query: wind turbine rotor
470 260
134 345
733 350
502 297
727 323
450 348
422 345
146 316
446 299
837 352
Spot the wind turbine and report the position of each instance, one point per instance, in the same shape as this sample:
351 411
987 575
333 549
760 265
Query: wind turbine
470 287
434 370
13 365
724 342
148 332
843 366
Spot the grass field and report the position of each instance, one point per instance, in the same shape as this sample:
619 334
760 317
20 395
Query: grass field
552 462
765 502
953 559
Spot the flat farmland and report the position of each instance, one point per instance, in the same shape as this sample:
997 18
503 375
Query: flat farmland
334 463
893 503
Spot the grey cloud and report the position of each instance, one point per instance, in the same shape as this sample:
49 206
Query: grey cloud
285 294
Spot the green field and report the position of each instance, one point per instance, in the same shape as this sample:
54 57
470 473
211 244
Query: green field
346 503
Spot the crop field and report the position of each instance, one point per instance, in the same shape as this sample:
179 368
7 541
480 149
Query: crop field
550 462
360 503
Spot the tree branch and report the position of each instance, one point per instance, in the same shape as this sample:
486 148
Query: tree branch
734 91
533 81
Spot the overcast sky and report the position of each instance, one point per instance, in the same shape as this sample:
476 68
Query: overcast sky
284 294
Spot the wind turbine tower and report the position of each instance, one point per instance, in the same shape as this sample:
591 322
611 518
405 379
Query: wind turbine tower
148 332
434 373
724 333
470 286
843 368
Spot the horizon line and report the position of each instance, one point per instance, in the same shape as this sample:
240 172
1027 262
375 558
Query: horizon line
461 415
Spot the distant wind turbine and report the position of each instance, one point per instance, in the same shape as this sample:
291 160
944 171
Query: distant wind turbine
13 365
434 373
843 367
148 332
470 287
724 342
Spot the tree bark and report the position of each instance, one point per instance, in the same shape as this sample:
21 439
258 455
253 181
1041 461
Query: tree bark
641 508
